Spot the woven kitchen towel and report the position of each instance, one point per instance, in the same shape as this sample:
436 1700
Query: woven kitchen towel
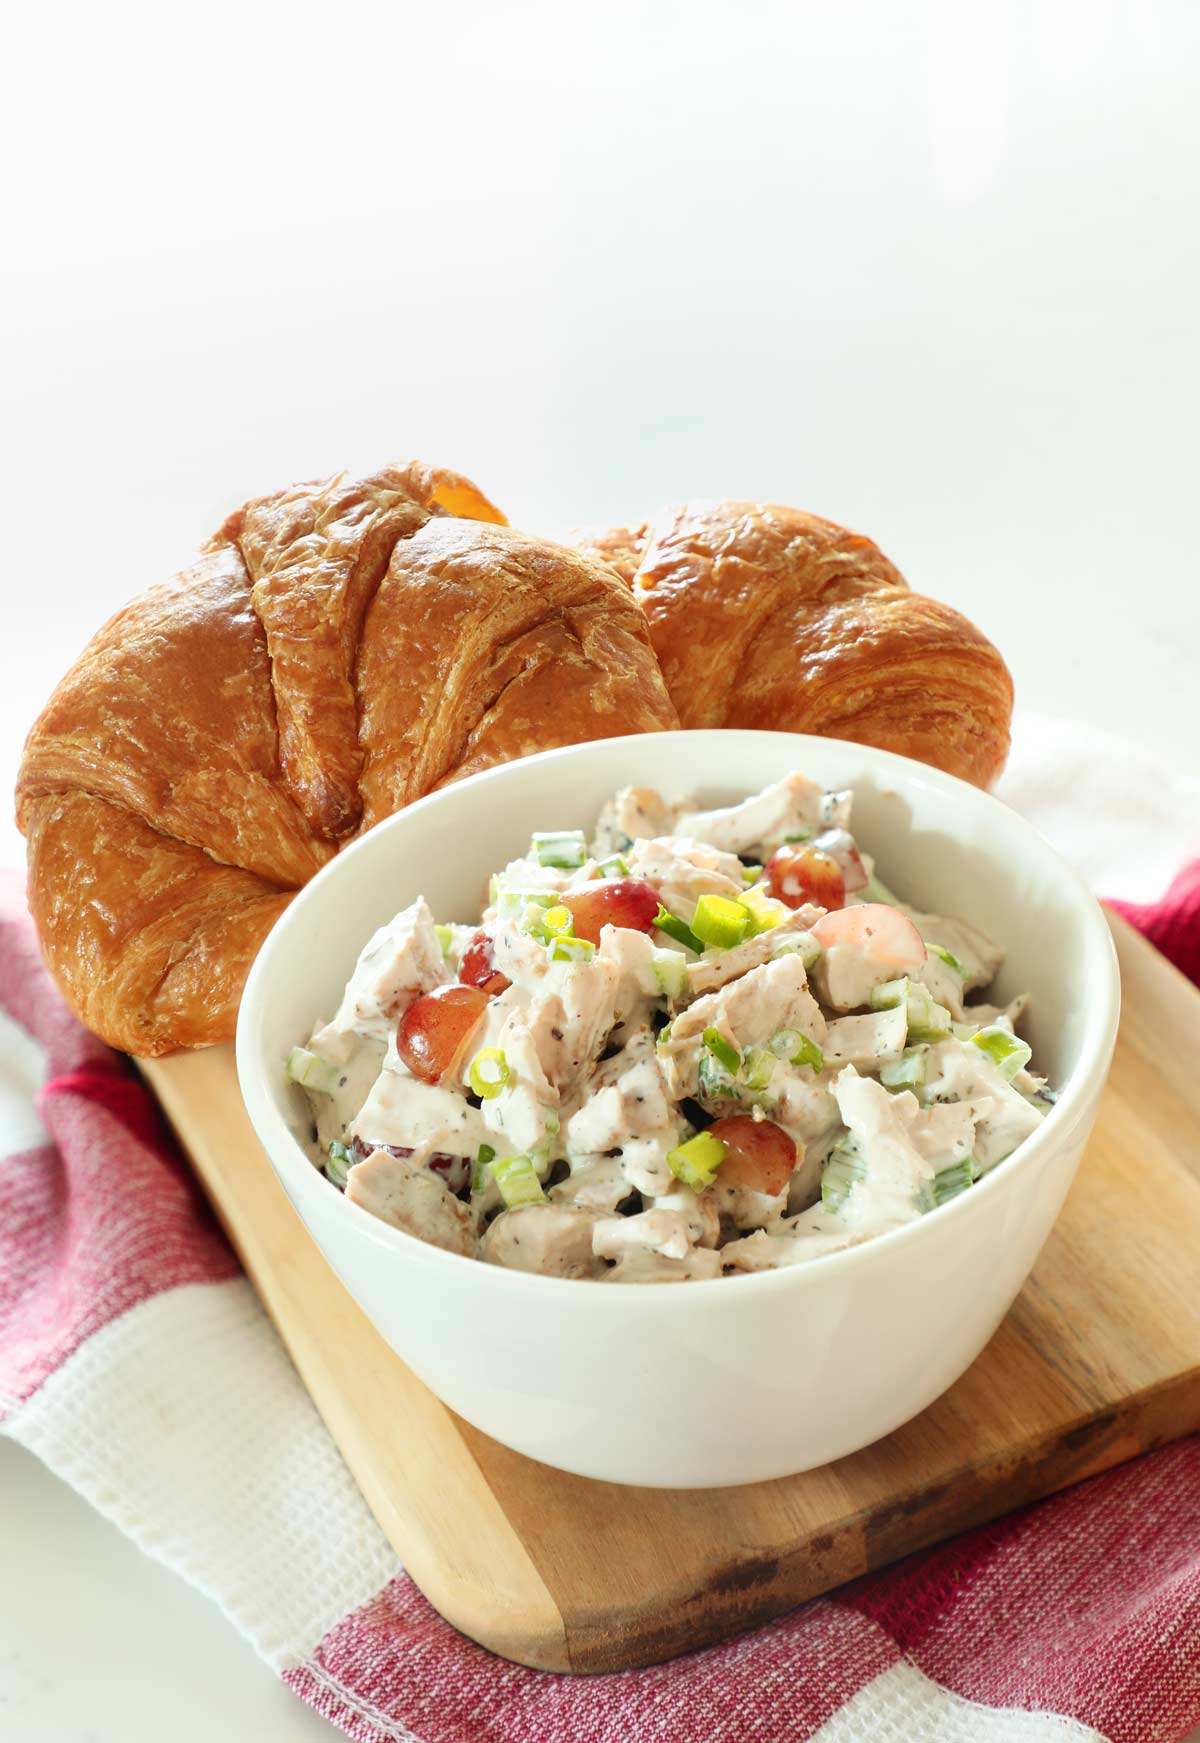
134 1359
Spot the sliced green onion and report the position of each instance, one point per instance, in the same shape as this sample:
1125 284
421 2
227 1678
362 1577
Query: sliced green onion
947 1183
677 929
516 904
669 968
797 1048
758 1067
313 1071
720 922
615 866
518 1181
949 958
565 849
964 1031
751 874
798 835
663 1036
907 1072
339 1163
723 1051
697 1161
445 937
801 944
842 1173
1007 1051
485 1155
489 1073
568 949
716 1084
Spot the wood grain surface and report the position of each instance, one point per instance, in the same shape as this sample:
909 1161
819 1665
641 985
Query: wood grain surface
1099 1360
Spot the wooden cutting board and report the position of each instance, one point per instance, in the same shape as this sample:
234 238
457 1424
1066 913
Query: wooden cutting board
1098 1361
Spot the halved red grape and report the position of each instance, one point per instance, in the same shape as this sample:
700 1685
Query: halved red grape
796 875
478 968
617 902
436 1027
761 1157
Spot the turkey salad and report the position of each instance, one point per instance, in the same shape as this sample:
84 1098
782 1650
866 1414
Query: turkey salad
706 1042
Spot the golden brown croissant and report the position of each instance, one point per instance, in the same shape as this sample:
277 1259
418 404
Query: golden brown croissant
768 617
337 650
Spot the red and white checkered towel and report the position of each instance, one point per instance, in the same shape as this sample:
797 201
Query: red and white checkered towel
135 1360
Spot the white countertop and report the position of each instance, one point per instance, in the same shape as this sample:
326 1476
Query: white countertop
950 300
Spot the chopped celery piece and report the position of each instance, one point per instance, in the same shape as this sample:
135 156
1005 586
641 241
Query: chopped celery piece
489 1073
568 949
764 911
949 958
907 1072
697 1161
313 1071
758 1067
677 929
669 968
615 866
723 1051
927 1020
517 1179
338 1163
720 922
888 994
485 1155
565 849
801 944
1004 1049
841 1174
947 1183
797 1048
445 937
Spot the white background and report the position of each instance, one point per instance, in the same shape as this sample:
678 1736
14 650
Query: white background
933 270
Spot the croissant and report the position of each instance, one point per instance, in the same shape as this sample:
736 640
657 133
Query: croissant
768 617
342 647
337 650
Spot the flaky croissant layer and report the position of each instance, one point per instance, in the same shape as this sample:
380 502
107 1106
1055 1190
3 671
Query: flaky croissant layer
340 648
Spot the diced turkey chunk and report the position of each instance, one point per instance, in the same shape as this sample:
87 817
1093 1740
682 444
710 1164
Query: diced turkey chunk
957 1072
757 826
596 1182
747 1012
794 1241
717 967
632 814
525 1113
570 1016
554 1240
682 871
897 1173
870 1041
520 957
644 1265
973 948
668 1232
401 960
420 1116
411 1199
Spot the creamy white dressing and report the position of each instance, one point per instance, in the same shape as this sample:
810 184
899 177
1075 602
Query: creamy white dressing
615 1058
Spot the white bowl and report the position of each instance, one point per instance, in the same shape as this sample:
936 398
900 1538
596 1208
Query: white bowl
736 1379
